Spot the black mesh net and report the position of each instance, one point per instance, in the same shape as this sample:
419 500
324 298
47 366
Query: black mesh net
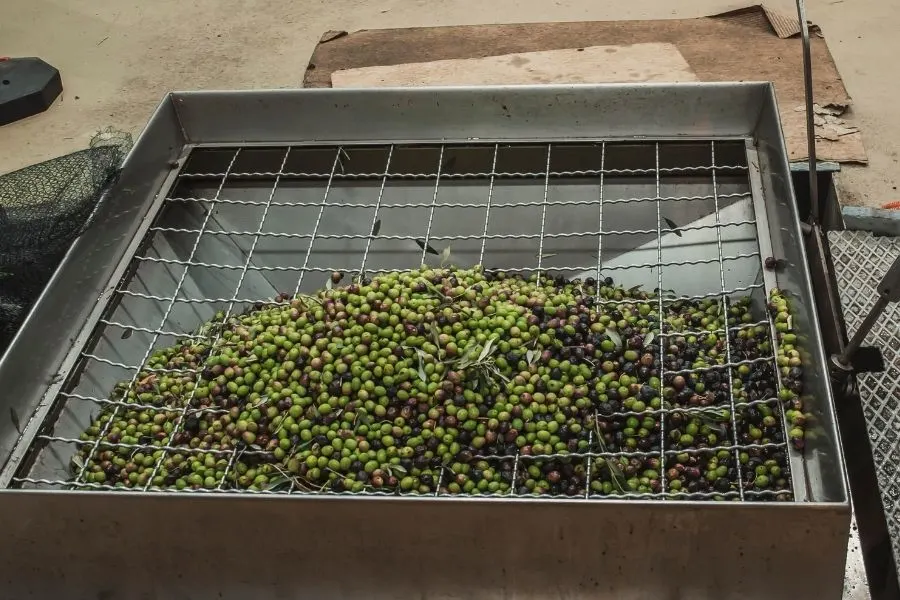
43 208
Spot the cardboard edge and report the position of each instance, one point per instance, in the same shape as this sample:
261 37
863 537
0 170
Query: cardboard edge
783 24
331 35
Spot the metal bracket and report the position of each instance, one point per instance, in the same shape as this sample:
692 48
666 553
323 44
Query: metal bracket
888 291
890 285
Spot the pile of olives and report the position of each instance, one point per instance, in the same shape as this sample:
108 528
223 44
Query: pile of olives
443 381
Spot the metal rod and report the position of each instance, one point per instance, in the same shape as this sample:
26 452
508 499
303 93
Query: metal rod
473 175
725 307
387 166
604 301
334 167
485 236
447 204
600 225
661 320
888 291
810 113
542 235
434 196
860 336
649 265
487 210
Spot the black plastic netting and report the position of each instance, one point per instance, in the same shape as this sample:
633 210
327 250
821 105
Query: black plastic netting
43 208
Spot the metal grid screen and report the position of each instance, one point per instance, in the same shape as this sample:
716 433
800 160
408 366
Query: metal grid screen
246 227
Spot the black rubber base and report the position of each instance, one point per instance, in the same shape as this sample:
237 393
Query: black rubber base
28 86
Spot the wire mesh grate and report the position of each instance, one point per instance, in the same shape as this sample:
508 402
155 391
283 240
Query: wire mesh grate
662 230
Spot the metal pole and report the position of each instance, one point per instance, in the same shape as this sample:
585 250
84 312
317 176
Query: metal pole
810 115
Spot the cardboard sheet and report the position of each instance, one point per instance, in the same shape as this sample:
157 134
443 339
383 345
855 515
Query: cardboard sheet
750 44
594 64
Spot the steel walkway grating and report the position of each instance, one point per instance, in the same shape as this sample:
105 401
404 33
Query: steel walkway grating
861 259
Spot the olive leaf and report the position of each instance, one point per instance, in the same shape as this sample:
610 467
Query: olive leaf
329 284
262 400
790 322
614 468
634 288
14 417
77 463
305 486
529 356
713 419
399 469
616 473
436 334
719 428
276 483
376 228
486 351
431 287
427 247
422 375
719 414
648 339
445 255
280 427
306 298
493 368
547 255
255 447
613 335
601 442
672 226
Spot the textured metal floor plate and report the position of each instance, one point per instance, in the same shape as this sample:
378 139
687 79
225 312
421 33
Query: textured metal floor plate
861 259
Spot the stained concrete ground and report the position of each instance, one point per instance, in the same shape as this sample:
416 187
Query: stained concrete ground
119 57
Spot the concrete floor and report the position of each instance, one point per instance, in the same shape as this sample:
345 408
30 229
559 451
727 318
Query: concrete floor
118 57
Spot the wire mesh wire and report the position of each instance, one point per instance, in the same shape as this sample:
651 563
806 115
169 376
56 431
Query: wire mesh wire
244 227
